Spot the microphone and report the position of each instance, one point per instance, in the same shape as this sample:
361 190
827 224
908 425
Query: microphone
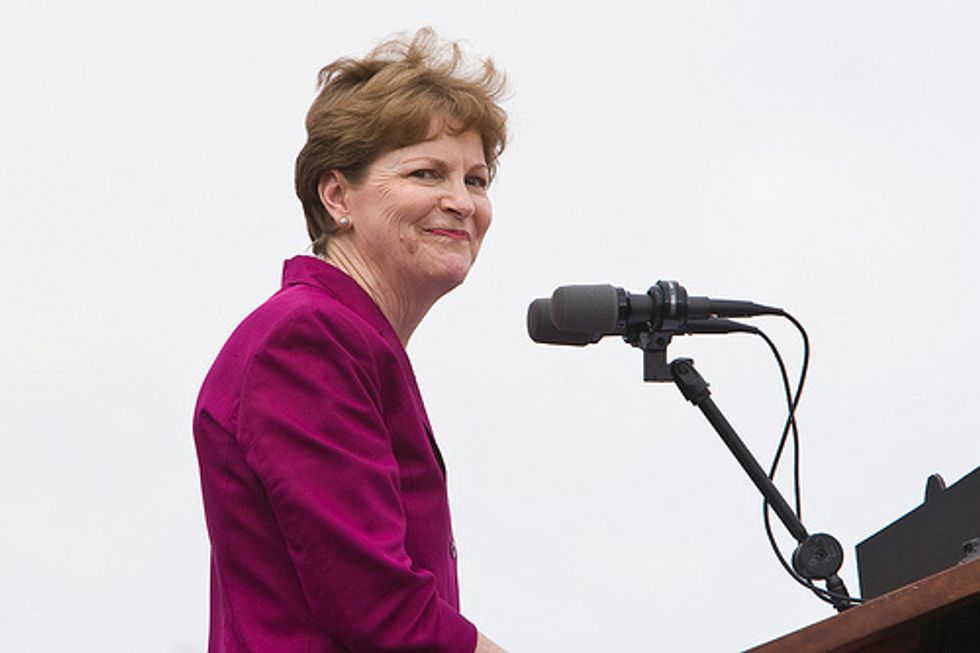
542 328
605 310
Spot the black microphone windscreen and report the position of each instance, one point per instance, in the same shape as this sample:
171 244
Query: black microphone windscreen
586 309
543 330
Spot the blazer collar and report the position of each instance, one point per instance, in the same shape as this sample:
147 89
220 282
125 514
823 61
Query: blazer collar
313 271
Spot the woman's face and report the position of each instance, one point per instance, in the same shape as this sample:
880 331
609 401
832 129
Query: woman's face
420 213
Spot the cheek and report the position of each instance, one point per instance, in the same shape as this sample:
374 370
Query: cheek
400 224
484 216
482 222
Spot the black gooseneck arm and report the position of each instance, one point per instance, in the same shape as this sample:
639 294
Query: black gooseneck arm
818 556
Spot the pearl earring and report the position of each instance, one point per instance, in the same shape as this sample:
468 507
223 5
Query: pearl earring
344 222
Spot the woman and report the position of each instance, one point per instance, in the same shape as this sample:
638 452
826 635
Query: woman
324 490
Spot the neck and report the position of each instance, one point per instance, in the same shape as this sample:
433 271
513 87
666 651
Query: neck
403 308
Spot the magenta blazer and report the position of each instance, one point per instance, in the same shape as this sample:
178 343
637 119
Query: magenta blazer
324 491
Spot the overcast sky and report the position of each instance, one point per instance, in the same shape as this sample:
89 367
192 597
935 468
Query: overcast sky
820 156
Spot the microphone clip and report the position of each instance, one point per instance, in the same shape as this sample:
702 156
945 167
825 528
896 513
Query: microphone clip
654 346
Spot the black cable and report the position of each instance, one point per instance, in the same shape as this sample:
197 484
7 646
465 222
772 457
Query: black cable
792 401
791 418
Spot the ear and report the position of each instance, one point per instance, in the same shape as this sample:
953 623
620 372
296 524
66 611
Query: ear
334 191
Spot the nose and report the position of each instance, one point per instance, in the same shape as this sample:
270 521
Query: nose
457 200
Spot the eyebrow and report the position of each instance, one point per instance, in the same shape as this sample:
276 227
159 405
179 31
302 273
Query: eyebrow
482 165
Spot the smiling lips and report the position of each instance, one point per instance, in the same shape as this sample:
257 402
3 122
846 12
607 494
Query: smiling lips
454 234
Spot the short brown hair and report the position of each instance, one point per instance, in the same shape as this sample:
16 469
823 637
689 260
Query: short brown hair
387 100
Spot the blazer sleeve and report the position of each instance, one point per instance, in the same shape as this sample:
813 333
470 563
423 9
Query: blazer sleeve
312 428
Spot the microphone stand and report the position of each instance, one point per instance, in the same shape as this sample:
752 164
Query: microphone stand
818 556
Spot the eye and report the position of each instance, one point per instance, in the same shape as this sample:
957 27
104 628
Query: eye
477 181
424 173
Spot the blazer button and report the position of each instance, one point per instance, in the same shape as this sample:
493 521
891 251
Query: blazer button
452 549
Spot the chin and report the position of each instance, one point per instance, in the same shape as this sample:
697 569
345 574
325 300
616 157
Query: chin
450 275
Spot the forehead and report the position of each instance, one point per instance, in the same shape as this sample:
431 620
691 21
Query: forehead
467 145
465 148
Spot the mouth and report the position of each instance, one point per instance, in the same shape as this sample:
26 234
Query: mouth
452 234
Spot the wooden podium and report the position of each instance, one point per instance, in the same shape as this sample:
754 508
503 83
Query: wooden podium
938 614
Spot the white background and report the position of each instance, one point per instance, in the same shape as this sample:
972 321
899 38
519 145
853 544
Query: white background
821 156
